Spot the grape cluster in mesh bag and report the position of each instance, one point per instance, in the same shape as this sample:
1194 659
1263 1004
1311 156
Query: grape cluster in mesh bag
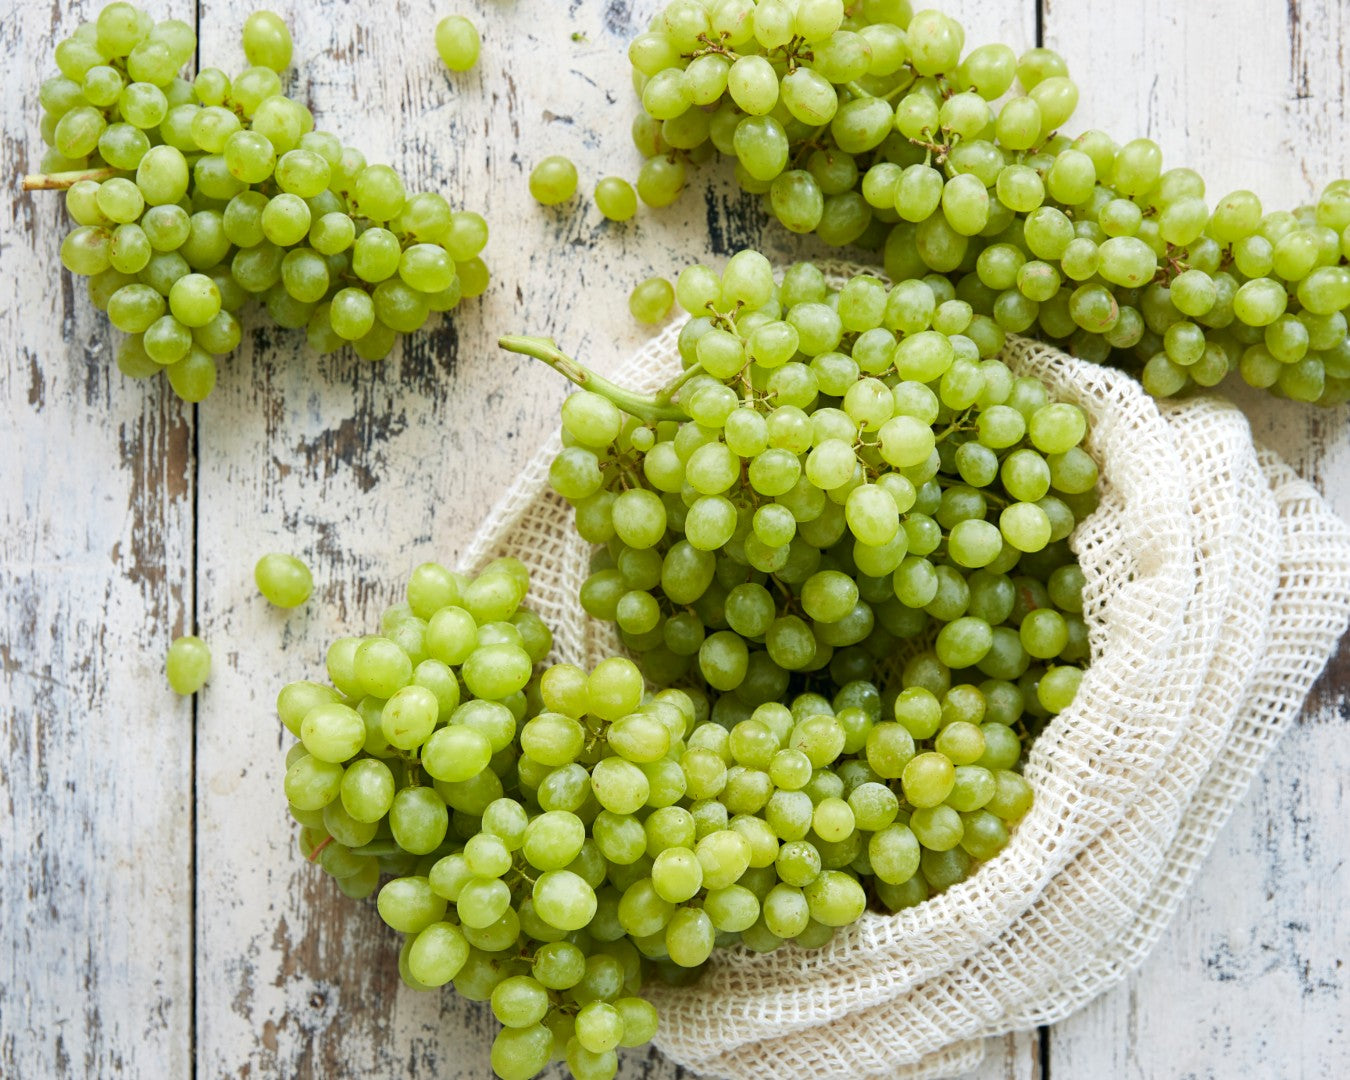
551 840
838 478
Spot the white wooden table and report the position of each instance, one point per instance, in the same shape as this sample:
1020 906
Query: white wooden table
155 918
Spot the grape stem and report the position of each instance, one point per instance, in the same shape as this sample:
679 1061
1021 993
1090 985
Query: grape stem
60 181
645 407
667 393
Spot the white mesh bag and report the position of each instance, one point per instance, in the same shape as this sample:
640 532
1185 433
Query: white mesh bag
1217 586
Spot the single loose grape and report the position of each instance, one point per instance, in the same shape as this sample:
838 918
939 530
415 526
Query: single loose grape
188 665
553 181
651 300
267 41
457 42
283 580
615 198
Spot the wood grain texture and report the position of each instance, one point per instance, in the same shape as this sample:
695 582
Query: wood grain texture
1251 977
95 579
367 470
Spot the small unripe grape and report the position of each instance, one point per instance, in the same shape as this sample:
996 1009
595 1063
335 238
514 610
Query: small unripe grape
615 198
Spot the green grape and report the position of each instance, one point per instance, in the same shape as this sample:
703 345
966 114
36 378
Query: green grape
639 1020
352 313
378 193
660 181
267 41
194 300
753 85
333 732
167 341
133 361
283 580
367 789
519 1002
563 900
118 29
761 146
134 308
521 1053
188 665
651 300
553 181
457 42
438 953
466 237
409 905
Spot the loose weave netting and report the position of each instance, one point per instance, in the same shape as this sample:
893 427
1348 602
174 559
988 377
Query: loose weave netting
1218 583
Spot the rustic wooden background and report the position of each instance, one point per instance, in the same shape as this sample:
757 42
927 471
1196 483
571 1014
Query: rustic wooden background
155 919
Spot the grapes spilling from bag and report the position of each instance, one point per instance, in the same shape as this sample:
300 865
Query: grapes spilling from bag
836 543
554 839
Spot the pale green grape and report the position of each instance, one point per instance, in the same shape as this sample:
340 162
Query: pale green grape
188 665
615 198
651 300
457 42
553 181
267 41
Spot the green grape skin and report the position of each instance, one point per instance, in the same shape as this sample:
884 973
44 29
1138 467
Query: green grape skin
660 181
188 665
457 43
615 198
283 580
553 181
651 300
267 41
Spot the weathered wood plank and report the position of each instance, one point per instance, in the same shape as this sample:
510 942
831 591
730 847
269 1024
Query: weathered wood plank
95 580
1013 1057
1249 980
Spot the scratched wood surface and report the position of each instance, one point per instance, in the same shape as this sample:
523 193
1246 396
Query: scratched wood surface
96 556
1251 979
155 919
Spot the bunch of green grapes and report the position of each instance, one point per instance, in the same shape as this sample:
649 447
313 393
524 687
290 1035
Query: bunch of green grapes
552 840
838 478
866 125
192 198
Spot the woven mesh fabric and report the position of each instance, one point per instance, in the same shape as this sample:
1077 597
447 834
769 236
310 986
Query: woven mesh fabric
1217 586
